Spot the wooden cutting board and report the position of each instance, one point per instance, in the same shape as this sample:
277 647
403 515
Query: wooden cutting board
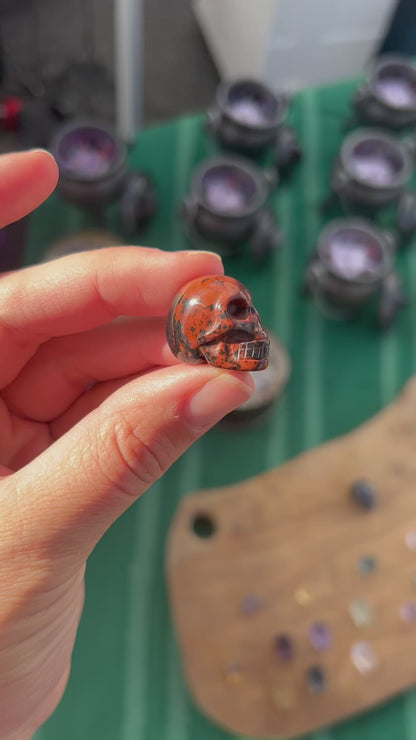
293 598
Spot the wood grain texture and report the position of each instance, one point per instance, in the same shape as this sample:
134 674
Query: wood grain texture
297 527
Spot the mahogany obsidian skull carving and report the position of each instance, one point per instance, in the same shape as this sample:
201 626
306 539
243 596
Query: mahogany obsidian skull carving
212 319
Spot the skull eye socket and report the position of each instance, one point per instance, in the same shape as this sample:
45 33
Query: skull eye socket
238 308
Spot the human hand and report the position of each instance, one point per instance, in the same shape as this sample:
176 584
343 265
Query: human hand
93 409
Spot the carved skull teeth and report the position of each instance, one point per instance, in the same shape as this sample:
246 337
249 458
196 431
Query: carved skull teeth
252 350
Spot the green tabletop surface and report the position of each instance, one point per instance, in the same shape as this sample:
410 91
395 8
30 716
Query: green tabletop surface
127 681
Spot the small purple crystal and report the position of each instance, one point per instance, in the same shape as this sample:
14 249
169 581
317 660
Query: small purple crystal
283 647
250 604
363 657
408 612
320 636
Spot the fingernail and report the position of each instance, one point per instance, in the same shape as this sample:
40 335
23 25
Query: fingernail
217 398
197 252
40 151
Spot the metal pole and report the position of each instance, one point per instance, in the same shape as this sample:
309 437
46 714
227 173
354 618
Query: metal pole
128 66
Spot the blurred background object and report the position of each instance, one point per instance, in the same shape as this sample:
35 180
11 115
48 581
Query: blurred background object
248 118
93 169
293 44
401 36
354 261
180 75
387 97
227 205
66 52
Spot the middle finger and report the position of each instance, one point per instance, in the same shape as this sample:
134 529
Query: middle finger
64 367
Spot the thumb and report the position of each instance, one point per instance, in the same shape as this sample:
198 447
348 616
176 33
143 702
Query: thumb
66 498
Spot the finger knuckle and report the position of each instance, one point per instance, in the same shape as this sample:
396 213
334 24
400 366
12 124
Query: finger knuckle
140 461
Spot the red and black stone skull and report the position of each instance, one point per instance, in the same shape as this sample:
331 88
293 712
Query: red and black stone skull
212 319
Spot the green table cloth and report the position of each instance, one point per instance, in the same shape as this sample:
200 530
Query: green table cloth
126 681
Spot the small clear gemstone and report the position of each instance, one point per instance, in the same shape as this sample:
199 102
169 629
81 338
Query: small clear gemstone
363 657
320 636
410 540
361 612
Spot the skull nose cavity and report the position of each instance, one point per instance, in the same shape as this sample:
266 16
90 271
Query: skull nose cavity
238 309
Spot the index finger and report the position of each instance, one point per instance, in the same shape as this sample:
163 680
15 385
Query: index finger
26 179
82 291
